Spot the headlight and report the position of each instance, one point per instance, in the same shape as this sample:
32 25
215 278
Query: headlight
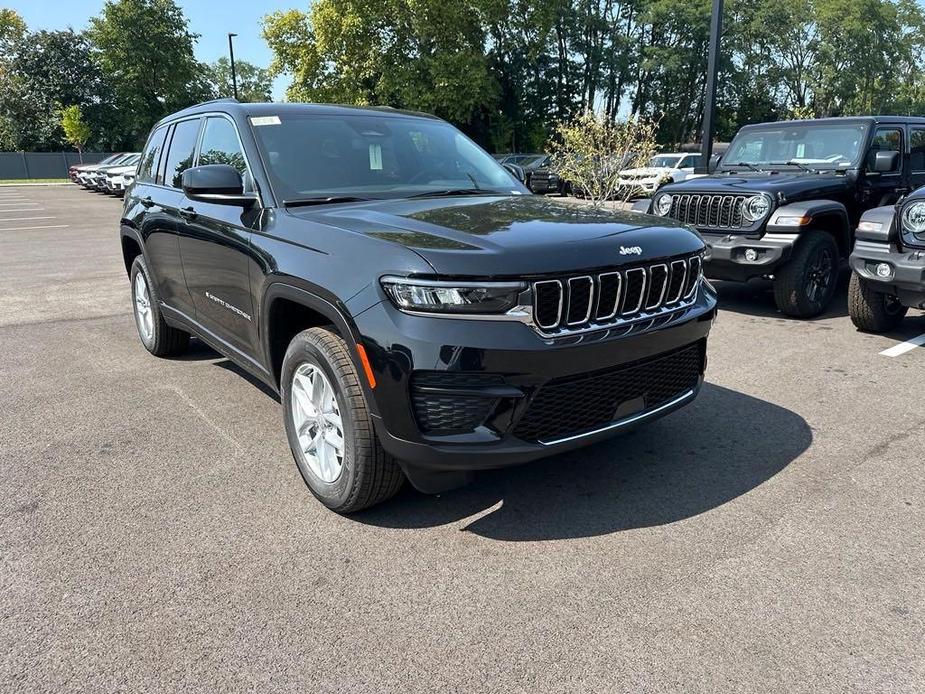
756 207
433 296
662 205
914 218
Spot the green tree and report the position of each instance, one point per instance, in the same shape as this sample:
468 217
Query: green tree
48 70
76 129
254 83
146 49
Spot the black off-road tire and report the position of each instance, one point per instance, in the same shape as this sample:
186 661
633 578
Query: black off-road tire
870 310
369 475
165 340
792 280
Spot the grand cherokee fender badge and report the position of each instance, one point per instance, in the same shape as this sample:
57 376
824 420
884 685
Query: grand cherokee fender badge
630 250
225 304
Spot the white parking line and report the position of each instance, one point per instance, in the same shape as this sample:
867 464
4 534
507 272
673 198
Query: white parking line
50 226
19 202
24 219
904 347
25 209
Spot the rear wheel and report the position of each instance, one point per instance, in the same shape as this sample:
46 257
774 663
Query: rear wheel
329 427
160 339
804 287
871 310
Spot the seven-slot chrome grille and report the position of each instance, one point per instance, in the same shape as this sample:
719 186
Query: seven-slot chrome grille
710 211
584 302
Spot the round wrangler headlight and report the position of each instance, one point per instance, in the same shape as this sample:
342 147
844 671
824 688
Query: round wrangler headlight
662 205
756 207
914 218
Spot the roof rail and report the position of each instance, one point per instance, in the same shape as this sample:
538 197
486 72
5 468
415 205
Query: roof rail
223 100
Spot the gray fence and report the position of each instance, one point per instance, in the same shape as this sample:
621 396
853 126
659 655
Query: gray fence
43 164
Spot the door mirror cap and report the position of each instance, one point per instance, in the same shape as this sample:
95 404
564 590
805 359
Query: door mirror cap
885 161
714 163
516 171
220 184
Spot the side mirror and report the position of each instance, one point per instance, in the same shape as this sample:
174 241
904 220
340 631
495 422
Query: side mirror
714 162
516 171
885 161
220 184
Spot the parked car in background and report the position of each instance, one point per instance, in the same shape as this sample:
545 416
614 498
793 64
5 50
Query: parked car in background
86 175
661 169
97 178
888 260
75 171
116 177
786 197
418 312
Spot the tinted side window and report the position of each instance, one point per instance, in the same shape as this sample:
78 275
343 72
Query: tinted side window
147 167
885 140
182 149
917 145
220 145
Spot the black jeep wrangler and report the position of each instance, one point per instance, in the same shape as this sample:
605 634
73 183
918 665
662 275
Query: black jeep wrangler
419 312
784 200
888 261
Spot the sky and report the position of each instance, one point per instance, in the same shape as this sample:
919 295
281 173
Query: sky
212 19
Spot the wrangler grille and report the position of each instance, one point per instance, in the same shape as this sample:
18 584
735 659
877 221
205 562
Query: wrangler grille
710 211
588 302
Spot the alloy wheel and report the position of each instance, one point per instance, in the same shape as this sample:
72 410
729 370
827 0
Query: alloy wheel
143 312
318 424
820 275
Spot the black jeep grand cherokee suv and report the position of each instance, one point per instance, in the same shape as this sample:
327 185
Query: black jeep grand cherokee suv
786 197
418 311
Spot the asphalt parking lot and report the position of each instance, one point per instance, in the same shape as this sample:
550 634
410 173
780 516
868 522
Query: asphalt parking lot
155 534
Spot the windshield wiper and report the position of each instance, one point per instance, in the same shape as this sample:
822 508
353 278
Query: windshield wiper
322 200
454 191
746 165
792 162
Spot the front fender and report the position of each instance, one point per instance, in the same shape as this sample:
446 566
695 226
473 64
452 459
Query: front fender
877 224
797 216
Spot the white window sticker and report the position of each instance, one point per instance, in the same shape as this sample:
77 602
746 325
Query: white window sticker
375 157
265 120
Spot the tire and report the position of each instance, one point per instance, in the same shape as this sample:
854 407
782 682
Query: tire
362 474
804 286
160 339
870 310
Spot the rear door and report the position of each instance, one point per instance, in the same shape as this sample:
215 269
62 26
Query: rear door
146 210
215 245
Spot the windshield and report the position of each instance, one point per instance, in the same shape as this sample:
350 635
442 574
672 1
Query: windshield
663 161
819 146
370 156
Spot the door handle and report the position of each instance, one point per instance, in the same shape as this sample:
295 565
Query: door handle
147 201
188 213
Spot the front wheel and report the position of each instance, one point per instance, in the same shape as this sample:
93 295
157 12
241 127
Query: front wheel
870 310
329 427
804 287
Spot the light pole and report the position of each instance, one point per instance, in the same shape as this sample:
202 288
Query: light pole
709 106
234 76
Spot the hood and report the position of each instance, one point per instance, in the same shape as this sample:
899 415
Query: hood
790 184
120 169
511 236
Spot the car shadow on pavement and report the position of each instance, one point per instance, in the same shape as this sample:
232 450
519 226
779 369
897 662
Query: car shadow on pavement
717 449
756 298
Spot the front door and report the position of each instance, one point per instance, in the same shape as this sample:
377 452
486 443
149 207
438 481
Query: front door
885 187
215 246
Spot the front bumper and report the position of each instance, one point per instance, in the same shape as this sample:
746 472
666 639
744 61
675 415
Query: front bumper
725 256
514 364
907 280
